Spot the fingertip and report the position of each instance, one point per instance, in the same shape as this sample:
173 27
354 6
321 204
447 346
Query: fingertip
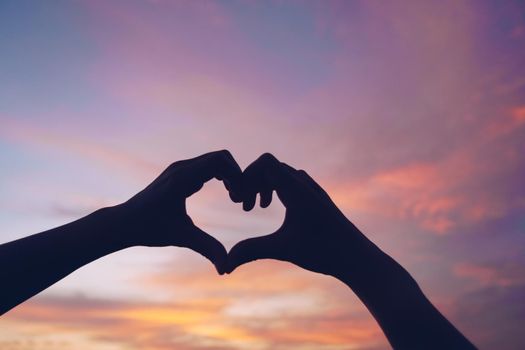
209 247
235 197
249 203
266 198
220 270
233 258
228 269
220 261
221 264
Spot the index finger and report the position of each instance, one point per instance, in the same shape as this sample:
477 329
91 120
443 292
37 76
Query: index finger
268 173
220 165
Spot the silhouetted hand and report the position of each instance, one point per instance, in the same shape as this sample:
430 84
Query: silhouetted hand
315 234
157 215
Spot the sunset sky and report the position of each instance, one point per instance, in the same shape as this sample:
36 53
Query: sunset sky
411 114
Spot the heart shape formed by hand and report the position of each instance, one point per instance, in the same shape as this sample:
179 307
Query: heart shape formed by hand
311 235
313 230
212 212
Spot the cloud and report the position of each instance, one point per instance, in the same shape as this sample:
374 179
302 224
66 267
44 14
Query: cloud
509 123
130 324
385 145
280 304
495 314
464 187
198 323
70 142
410 114
492 275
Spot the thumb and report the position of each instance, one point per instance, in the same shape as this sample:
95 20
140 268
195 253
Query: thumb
209 247
264 247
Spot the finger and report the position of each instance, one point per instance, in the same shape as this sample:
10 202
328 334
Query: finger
267 173
249 201
233 185
220 165
265 247
209 247
266 197
236 198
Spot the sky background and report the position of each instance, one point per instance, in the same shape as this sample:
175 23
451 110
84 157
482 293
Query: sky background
411 114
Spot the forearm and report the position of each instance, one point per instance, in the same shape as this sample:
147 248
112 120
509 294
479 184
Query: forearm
406 316
31 264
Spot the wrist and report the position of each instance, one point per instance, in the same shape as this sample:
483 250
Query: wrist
111 227
378 272
378 280
362 265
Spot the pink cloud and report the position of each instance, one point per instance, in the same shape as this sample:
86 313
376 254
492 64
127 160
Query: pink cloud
489 275
204 321
86 149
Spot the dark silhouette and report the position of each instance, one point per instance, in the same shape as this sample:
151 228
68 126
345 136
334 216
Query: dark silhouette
154 217
315 235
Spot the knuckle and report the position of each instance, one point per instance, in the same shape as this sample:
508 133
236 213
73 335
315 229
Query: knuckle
221 156
223 153
175 165
268 158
